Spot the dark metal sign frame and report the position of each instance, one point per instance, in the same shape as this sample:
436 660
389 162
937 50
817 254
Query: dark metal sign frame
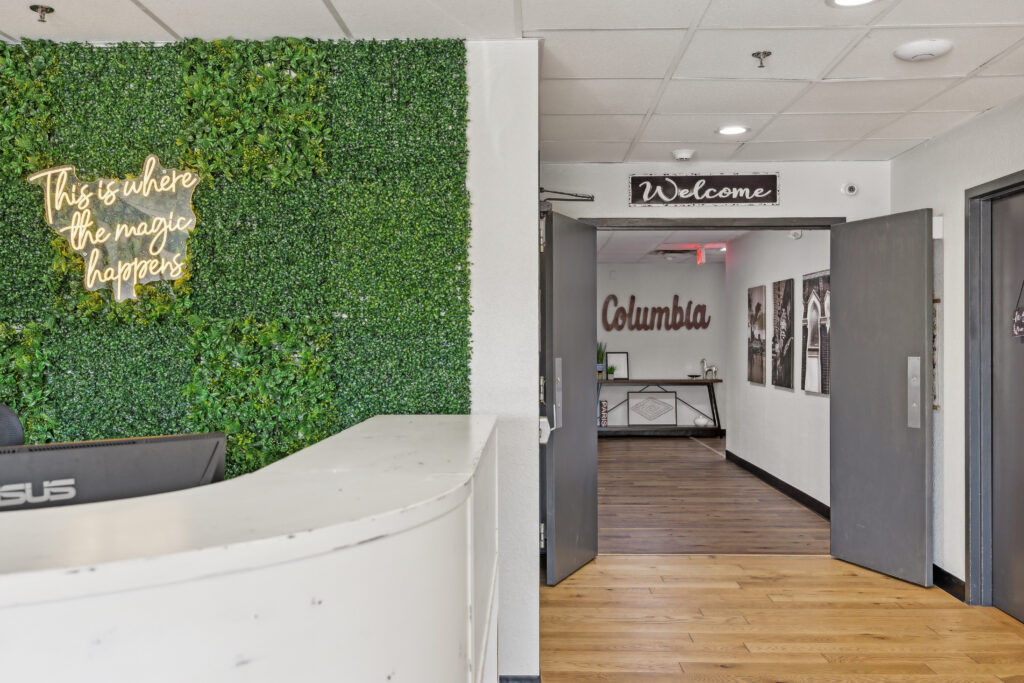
687 189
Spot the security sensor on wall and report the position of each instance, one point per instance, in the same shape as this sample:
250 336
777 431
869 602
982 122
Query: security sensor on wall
683 154
850 189
796 234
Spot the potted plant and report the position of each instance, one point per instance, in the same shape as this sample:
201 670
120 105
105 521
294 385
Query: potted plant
600 359
611 372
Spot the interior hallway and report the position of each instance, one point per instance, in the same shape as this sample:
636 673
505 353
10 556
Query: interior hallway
630 619
678 495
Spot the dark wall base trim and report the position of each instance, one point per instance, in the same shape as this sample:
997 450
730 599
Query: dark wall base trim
519 679
949 583
812 504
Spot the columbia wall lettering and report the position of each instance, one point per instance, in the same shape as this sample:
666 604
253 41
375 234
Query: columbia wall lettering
671 318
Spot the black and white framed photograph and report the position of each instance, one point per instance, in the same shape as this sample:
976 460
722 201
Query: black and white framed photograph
817 328
618 360
651 408
756 337
782 333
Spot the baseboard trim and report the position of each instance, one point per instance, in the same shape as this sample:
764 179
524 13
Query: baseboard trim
519 679
949 583
812 504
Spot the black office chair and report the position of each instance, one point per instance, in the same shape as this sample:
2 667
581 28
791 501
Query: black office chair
11 431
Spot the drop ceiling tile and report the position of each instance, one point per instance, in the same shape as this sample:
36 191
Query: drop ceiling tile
611 128
607 54
823 126
972 47
385 19
684 237
1010 64
876 150
662 151
555 151
597 95
796 53
790 151
539 15
978 94
684 129
94 21
788 13
718 96
868 96
951 12
245 18
922 125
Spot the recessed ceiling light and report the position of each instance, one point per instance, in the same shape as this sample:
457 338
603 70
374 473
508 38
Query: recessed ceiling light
848 3
923 50
732 130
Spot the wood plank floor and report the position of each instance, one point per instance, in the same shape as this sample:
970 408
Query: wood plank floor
748 618
678 495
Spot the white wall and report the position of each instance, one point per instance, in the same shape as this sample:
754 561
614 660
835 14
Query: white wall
805 189
665 353
782 431
502 181
936 175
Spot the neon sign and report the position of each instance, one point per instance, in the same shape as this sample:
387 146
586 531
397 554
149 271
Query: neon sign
129 231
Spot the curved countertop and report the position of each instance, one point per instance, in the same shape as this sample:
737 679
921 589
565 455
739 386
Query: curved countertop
379 478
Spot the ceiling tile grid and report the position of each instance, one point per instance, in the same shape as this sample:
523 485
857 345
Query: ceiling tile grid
639 246
831 89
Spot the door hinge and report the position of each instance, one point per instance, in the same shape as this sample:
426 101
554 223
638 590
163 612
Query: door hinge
543 389
543 538
543 238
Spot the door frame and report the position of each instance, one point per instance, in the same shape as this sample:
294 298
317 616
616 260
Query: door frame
978 367
655 224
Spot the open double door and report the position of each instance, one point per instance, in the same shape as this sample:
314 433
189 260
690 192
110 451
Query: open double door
881 394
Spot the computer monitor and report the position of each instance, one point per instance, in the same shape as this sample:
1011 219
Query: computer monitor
46 475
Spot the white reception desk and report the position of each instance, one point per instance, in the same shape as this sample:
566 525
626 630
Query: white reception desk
370 556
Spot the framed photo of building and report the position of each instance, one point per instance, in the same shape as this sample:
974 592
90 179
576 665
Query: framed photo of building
618 360
651 408
817 328
783 332
756 337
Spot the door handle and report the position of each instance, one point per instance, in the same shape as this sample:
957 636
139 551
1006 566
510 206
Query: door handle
558 394
914 392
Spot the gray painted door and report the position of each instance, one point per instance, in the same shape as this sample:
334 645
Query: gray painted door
568 357
1007 399
881 394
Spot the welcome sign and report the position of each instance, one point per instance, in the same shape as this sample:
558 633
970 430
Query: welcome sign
722 189
129 230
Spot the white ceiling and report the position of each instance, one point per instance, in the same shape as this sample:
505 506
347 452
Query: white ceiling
631 80
635 246
165 20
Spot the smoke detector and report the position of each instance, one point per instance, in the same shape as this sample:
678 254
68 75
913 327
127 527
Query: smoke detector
923 50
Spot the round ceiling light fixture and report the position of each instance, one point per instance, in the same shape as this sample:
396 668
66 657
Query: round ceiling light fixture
848 3
923 50
732 130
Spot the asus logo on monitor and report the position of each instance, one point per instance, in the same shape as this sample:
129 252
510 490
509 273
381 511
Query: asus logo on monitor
13 495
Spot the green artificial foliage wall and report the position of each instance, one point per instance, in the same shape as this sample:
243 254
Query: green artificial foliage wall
327 277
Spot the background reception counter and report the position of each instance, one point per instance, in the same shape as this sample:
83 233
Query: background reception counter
369 556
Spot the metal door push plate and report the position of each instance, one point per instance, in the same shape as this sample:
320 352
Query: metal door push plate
914 392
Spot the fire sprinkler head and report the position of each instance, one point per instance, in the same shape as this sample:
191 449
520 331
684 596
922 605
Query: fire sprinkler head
42 11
